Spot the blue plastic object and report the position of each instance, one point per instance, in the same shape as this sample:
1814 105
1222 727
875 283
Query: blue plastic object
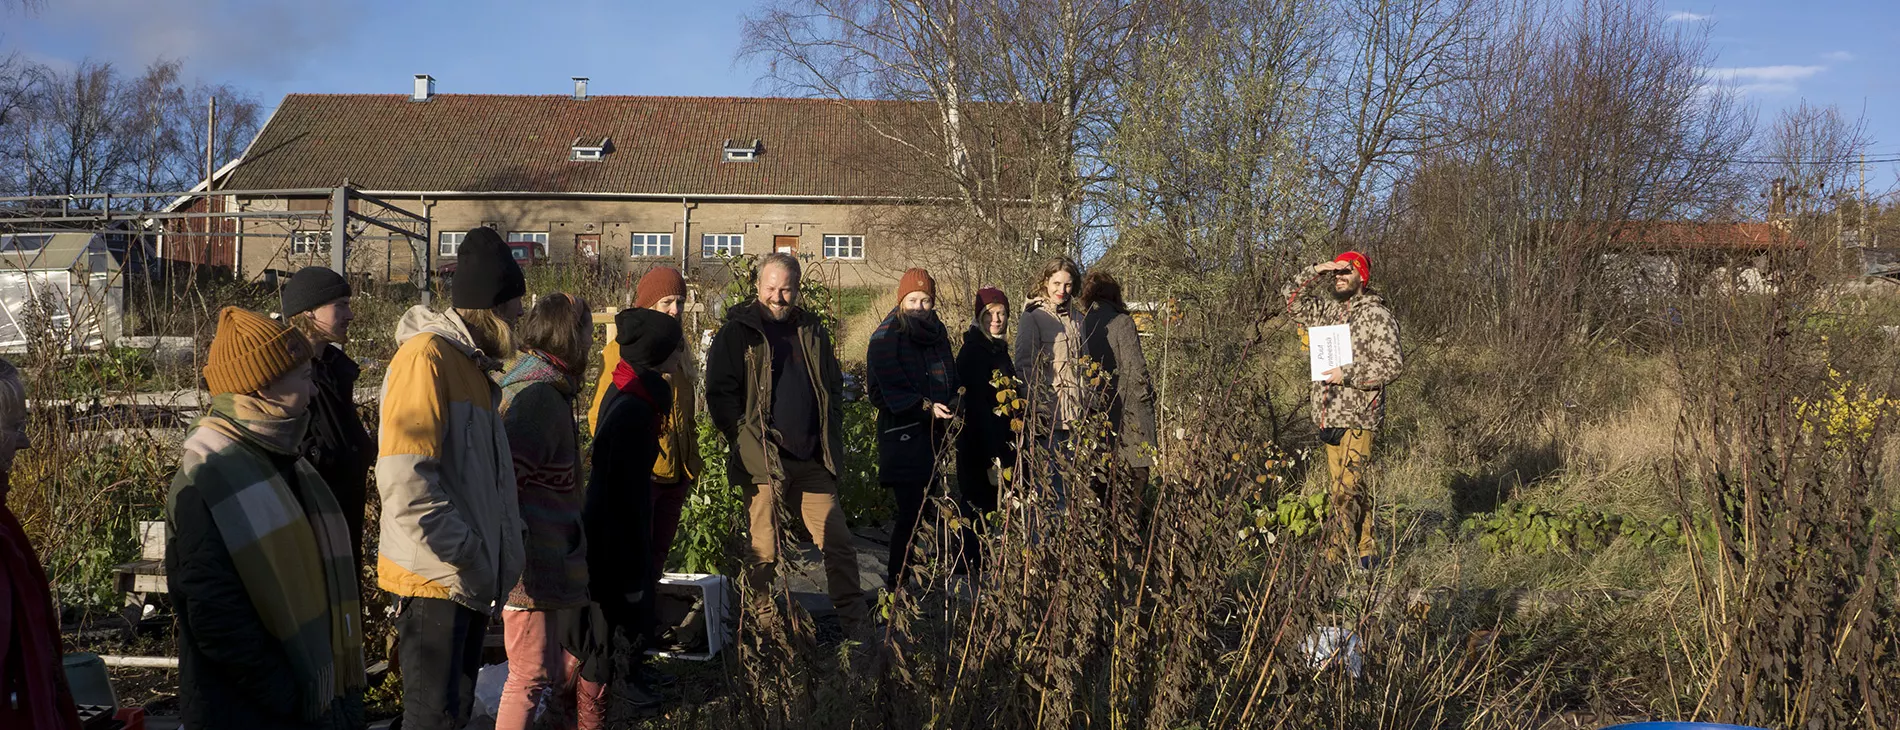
1680 726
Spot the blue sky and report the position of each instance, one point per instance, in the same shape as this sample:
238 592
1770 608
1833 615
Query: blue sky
1843 52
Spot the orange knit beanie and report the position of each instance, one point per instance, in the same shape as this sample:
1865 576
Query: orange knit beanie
250 350
916 280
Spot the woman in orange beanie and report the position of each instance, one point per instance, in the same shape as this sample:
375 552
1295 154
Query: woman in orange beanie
912 379
259 559
663 290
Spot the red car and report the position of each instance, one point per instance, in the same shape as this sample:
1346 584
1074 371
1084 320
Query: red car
524 252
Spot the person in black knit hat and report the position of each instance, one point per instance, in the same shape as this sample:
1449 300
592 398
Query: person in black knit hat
317 303
617 520
486 274
451 540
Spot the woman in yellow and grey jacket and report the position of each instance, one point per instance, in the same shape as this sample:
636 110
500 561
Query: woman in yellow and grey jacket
451 540
663 290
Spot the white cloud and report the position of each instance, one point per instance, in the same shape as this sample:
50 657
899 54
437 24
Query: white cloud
1763 79
1680 16
1837 56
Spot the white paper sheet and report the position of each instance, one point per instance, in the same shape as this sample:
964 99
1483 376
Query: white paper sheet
1330 347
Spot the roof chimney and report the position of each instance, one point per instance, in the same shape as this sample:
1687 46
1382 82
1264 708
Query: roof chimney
425 88
580 88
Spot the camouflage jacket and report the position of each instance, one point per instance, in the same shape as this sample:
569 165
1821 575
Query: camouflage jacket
1359 401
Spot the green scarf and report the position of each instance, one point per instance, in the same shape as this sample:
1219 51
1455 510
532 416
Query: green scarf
293 557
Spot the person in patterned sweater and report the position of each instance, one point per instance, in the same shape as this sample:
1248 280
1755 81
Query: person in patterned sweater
1349 404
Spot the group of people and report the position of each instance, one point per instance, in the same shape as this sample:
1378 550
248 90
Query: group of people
479 473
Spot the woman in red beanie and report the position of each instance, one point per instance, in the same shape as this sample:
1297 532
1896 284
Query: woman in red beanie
986 444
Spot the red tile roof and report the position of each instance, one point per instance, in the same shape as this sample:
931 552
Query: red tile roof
1698 236
668 146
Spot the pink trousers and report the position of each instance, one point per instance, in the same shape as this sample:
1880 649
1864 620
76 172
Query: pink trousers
543 679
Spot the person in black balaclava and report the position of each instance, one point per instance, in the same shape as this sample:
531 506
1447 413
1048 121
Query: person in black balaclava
617 521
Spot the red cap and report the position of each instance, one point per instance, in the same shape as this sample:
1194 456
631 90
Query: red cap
989 295
1359 264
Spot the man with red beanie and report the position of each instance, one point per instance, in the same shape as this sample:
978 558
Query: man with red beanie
1349 405
662 290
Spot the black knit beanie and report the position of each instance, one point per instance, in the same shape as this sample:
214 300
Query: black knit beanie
485 272
312 287
647 338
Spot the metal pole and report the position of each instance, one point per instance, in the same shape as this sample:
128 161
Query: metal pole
428 251
211 136
339 227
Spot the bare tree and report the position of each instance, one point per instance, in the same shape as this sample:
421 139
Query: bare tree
1019 169
94 131
1398 61
20 85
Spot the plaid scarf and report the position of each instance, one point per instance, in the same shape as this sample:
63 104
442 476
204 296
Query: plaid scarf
293 558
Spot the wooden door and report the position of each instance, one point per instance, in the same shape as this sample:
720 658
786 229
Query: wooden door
785 244
587 247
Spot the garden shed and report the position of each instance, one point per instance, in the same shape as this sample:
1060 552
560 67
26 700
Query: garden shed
66 287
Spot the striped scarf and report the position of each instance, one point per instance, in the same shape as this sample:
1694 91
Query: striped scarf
293 558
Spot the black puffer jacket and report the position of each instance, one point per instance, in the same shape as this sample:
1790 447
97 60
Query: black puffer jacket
337 445
985 435
618 524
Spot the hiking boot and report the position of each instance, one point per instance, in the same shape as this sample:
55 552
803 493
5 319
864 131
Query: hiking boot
653 677
633 696
1367 563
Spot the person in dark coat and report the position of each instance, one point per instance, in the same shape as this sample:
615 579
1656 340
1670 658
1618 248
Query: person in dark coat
912 379
987 444
31 673
317 303
257 561
1109 337
617 519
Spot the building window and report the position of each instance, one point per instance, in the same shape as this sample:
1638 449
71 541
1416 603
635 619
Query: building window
450 242
310 243
714 245
650 244
844 247
737 151
540 241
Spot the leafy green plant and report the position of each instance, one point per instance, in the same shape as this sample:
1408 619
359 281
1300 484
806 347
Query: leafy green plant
1517 527
713 515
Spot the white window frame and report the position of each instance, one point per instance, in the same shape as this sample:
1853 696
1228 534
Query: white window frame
449 243
845 246
587 154
711 245
310 243
650 245
539 238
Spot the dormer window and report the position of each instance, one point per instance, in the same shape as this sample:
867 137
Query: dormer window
590 149
742 151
